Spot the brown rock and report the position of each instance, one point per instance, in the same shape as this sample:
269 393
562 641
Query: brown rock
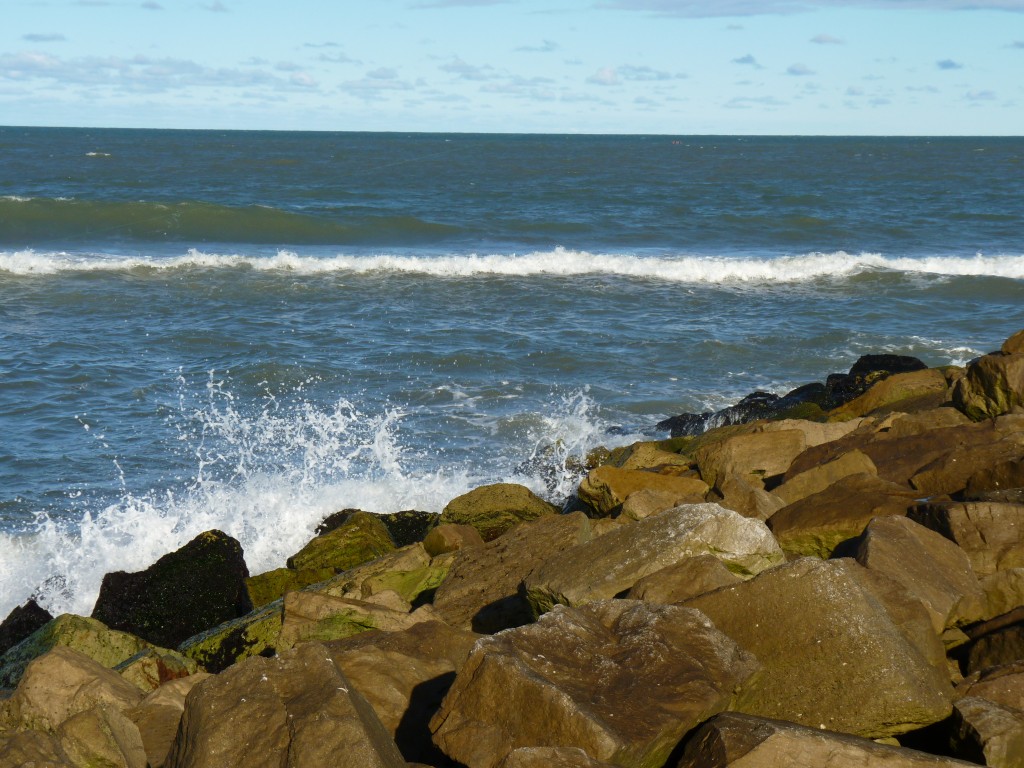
32 749
991 534
157 716
651 456
550 757
1002 685
734 739
481 591
952 472
1014 345
360 539
609 565
914 390
821 477
151 667
993 385
997 646
297 710
102 736
1002 476
495 509
683 580
607 487
748 499
638 696
757 455
838 650
990 731
449 537
816 524
647 502
309 616
1001 593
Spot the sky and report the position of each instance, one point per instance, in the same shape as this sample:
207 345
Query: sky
833 67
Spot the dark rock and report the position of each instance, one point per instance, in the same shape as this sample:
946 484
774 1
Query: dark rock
22 622
409 526
183 593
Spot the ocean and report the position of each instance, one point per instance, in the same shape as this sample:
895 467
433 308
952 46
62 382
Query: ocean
251 330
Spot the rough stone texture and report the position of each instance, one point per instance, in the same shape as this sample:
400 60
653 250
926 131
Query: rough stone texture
1002 685
733 740
1013 345
481 591
748 499
90 637
992 386
926 564
22 622
815 525
613 563
550 757
756 455
607 487
999 477
952 472
998 646
150 668
408 526
1001 593
495 509
157 716
32 749
815 432
63 683
404 676
839 648
651 455
102 736
251 635
267 587
986 730
310 616
819 478
991 534
647 502
360 539
449 537
350 583
683 580
184 592
911 391
652 673
297 710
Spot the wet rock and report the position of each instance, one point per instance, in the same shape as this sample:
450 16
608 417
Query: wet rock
408 526
22 622
989 731
255 634
157 716
991 534
362 537
905 392
841 648
495 509
269 586
611 564
184 592
297 709
524 687
606 488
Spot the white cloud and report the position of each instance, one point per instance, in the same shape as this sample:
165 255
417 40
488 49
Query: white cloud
629 72
546 46
604 76
747 102
466 71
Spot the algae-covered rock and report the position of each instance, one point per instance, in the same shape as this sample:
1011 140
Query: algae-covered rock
22 622
410 585
915 390
361 538
108 647
606 488
350 583
309 616
255 634
494 509
184 592
448 537
269 586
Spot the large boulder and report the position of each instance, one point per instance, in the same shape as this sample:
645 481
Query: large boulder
992 534
267 587
611 564
309 616
820 477
620 679
993 384
990 731
742 741
606 488
915 390
22 622
842 648
481 591
158 715
680 581
494 509
952 472
255 634
756 455
32 749
102 736
90 637
297 709
152 667
184 592
362 537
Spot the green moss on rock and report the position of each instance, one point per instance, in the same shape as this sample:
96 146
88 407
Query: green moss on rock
267 587
361 538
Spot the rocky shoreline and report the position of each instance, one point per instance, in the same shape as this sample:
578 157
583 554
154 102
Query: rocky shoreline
834 577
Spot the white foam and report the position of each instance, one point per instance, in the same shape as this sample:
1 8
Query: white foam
560 262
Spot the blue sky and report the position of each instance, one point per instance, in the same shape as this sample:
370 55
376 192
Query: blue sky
567 66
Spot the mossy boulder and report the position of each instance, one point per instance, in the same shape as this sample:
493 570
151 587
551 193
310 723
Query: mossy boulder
494 509
310 617
361 538
267 587
107 647
409 584
255 634
184 592
993 384
22 622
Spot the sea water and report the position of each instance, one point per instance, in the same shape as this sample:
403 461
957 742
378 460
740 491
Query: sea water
249 331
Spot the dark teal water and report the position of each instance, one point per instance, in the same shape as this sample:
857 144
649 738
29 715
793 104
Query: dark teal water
251 330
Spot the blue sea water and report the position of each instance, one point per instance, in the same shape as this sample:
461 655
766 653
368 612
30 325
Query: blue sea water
248 330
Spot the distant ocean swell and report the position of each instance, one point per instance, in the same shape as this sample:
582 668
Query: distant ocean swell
559 262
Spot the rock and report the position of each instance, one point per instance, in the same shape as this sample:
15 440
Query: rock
550 757
255 634
999 477
448 537
814 432
685 579
297 709
1001 685
996 645
652 456
912 391
734 739
404 676
611 564
102 736
647 502
350 583
32 749
991 534
1014 345
22 622
840 646
360 539
524 687
927 565
951 473
151 667
816 524
157 716
108 647
481 591
410 586
268 587
63 683
817 479
189 590
309 616
993 385
408 526
1001 593
748 499
606 488
495 509
755 455
986 730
